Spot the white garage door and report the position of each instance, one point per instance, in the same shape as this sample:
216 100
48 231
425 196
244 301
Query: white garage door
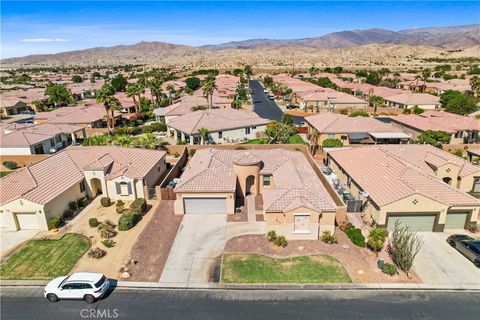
205 205
27 220
415 223
456 220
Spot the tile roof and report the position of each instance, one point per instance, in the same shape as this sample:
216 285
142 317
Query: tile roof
46 179
409 98
391 173
186 104
30 134
329 122
333 97
296 183
85 114
439 120
216 120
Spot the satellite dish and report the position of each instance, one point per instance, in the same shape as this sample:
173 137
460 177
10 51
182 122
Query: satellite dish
52 150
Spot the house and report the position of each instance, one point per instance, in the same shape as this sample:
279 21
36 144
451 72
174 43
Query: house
331 99
85 89
294 202
223 125
409 100
463 130
352 130
45 138
30 196
89 116
421 186
11 106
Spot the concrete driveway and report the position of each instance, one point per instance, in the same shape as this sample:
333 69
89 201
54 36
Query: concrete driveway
10 240
196 251
439 263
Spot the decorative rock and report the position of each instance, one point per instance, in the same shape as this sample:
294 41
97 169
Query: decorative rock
133 261
125 275
346 246
301 248
361 272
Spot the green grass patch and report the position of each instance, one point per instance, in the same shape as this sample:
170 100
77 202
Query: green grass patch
296 139
257 268
45 259
257 141
4 173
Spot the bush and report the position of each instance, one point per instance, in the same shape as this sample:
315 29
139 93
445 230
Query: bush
280 241
356 236
376 239
175 154
404 246
358 114
332 143
82 203
106 202
344 112
191 152
73 205
68 213
108 243
139 206
159 126
120 206
271 235
10 164
107 230
97 253
93 222
472 227
389 269
328 237
147 129
54 222
127 221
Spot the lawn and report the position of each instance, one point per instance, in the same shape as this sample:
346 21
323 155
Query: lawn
45 259
4 173
257 141
256 268
295 139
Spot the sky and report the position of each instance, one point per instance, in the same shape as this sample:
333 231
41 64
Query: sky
55 26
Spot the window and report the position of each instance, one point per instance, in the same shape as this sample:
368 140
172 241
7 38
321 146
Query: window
86 286
100 282
52 143
331 136
459 134
266 180
82 186
476 185
254 127
124 188
58 138
220 134
343 137
247 130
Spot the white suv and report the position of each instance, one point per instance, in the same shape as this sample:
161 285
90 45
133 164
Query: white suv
81 285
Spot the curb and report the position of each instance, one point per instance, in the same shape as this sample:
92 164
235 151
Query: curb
290 287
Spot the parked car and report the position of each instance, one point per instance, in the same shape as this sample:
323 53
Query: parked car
291 106
467 246
81 285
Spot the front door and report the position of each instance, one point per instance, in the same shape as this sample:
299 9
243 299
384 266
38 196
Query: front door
301 223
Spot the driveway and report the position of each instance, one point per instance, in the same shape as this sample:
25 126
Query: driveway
10 240
438 263
196 252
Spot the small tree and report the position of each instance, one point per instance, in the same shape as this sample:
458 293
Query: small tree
376 101
332 143
376 239
358 114
203 134
77 79
404 246
193 83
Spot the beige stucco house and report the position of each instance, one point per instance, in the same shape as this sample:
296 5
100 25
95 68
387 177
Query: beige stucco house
288 193
29 197
419 185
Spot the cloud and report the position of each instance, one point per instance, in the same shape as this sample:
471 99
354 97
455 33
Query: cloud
45 40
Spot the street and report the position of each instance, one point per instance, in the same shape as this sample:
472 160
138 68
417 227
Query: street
266 108
27 303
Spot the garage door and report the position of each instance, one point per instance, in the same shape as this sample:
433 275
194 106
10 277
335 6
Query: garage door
456 220
415 223
205 205
27 220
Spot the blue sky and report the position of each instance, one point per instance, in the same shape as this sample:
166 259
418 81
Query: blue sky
50 27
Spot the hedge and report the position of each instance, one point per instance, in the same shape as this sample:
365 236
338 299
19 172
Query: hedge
106 202
139 206
356 236
127 221
54 222
10 164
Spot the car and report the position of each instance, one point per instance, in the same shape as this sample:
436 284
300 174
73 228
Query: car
291 106
86 286
467 246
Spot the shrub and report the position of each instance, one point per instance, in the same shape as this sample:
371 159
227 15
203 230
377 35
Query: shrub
82 203
107 230
472 227
93 222
344 112
120 206
356 236
68 213
181 142
328 237
10 164
271 235
73 205
138 206
404 246
389 269
280 241
191 152
159 126
175 154
54 222
458 153
147 129
358 114
108 243
127 221
97 253
376 239
106 202
332 143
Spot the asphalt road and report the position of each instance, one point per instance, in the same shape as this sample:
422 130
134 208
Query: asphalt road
182 304
266 108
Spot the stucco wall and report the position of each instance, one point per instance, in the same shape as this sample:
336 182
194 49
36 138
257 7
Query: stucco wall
7 220
57 206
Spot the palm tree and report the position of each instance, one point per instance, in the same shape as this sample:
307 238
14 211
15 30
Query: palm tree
208 88
426 73
155 86
106 97
171 90
376 101
475 84
149 141
314 141
124 140
203 134
134 90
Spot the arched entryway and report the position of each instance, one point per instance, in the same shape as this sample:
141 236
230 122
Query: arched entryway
96 186
249 185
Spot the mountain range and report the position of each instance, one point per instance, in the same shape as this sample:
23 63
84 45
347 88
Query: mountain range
354 47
